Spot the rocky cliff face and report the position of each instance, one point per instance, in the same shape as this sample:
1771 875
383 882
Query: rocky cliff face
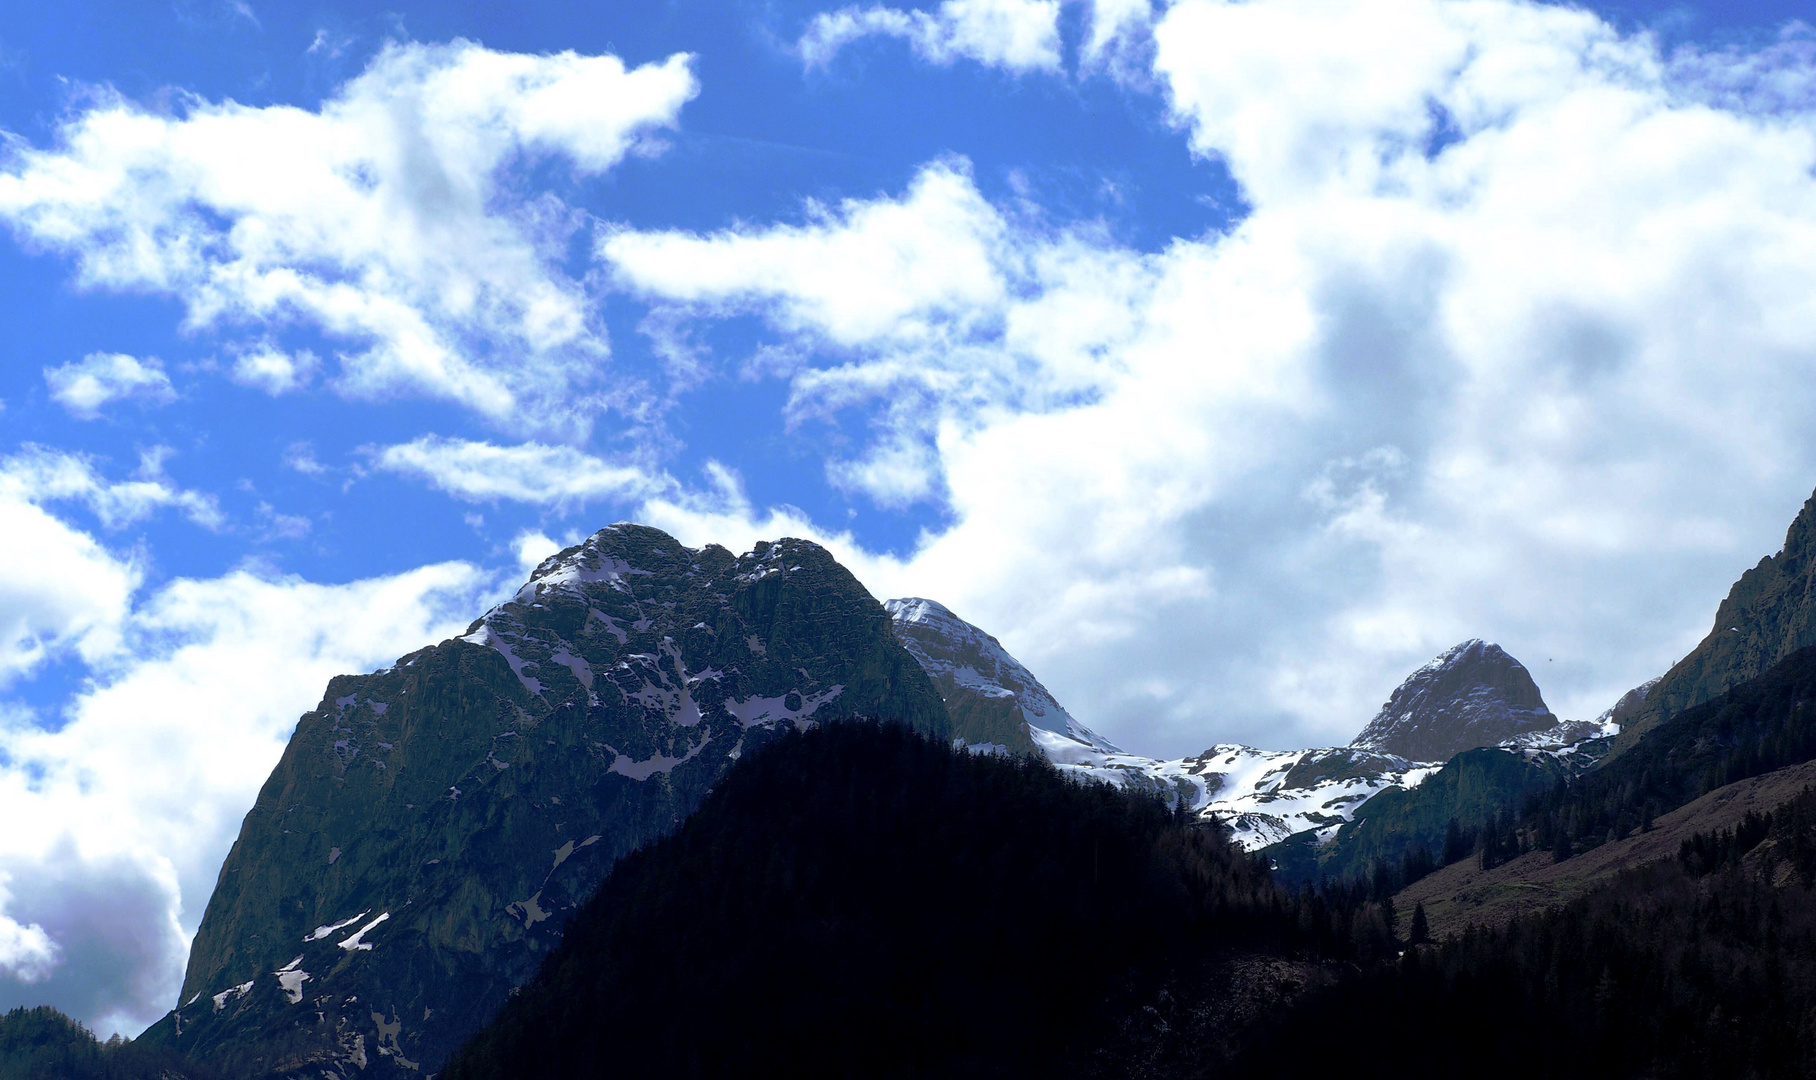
998 705
1769 614
995 703
1473 695
429 827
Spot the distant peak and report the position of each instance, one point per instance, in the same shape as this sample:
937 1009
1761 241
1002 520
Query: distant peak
915 609
1472 694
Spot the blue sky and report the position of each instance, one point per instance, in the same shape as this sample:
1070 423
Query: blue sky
1227 361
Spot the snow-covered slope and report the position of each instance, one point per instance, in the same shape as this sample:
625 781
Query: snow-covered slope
995 703
1262 795
1472 691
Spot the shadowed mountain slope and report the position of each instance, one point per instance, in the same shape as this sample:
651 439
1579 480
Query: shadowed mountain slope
1769 614
916 911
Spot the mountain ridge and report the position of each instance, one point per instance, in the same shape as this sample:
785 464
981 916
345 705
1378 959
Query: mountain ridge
430 825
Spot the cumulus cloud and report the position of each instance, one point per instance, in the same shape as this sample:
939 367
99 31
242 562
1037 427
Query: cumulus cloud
530 472
275 371
1512 343
60 588
1019 35
383 219
123 814
27 953
931 302
85 385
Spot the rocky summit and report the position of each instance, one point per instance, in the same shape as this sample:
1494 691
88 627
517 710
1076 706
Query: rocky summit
1261 796
1473 695
996 704
1769 614
428 829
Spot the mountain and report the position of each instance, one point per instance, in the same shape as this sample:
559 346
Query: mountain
995 703
1768 614
1410 831
431 826
1473 695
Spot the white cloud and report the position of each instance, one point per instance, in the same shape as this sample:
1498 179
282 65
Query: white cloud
60 588
1118 28
27 953
530 472
120 818
37 474
1512 343
382 219
83 386
300 456
275 371
932 302
1020 35
531 548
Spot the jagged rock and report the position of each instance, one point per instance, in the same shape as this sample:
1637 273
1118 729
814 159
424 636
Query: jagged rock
1630 706
1769 614
995 703
1473 695
418 848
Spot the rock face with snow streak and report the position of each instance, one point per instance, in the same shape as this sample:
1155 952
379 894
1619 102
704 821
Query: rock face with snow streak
995 703
418 848
1473 695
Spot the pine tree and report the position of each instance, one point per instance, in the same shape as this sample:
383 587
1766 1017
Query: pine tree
1420 931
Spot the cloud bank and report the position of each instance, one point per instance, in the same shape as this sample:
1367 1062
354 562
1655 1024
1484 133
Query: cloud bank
1513 342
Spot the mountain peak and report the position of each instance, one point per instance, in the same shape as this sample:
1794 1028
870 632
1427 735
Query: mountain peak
1472 694
1768 614
993 700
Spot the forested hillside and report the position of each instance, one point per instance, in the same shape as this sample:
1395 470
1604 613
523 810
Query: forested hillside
914 911
43 1044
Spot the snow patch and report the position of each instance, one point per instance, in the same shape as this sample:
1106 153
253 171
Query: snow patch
291 982
354 944
754 711
643 770
231 993
530 911
323 931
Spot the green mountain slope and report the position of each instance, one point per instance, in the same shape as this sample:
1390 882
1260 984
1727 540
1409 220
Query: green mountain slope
1418 824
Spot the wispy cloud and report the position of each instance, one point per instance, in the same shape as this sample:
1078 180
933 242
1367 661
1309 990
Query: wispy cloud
529 473
98 379
1019 35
